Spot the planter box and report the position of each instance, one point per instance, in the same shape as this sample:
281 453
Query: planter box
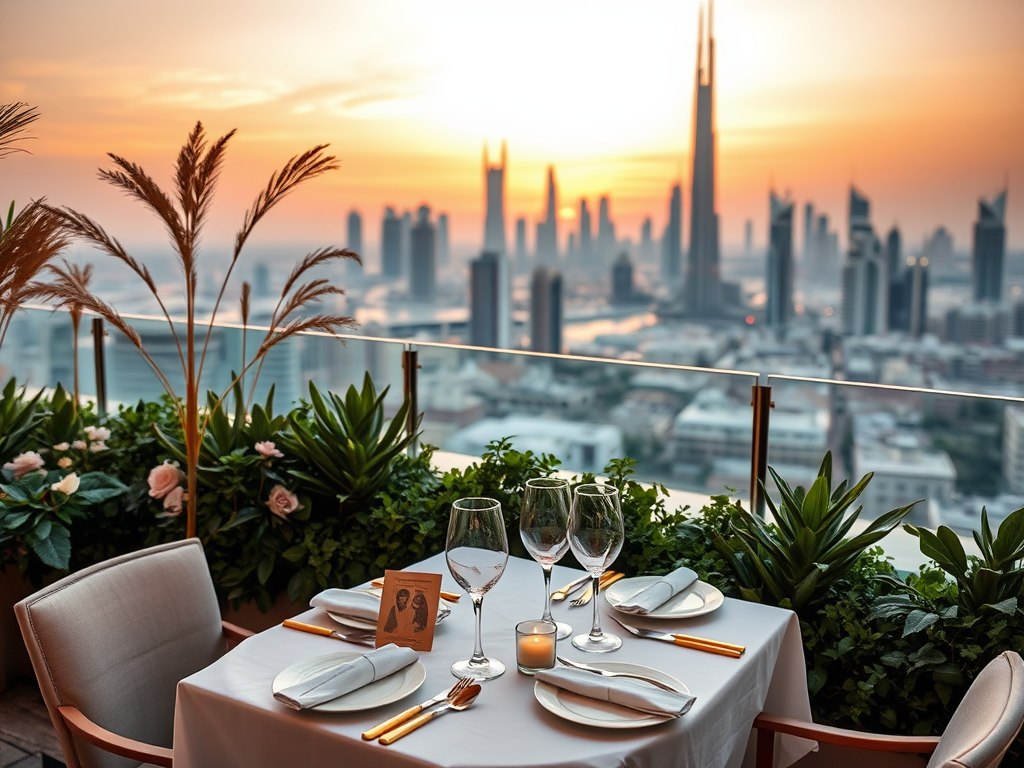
14 661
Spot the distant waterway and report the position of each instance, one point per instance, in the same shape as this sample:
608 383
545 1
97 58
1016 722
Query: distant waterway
586 329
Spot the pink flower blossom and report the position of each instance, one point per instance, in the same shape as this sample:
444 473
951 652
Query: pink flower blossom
173 502
65 462
164 479
282 502
79 445
68 485
24 463
61 447
97 434
96 446
268 449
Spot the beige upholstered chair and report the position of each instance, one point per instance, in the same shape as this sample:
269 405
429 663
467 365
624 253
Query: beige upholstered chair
982 729
110 643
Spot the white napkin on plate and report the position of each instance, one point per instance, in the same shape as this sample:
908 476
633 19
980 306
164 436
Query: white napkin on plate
659 593
347 677
625 692
349 602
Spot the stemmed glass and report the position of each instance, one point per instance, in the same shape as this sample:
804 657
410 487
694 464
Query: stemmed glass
477 550
595 537
543 523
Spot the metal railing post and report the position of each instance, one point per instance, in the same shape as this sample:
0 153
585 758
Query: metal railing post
410 364
100 360
761 401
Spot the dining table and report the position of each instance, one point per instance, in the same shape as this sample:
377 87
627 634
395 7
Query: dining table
225 714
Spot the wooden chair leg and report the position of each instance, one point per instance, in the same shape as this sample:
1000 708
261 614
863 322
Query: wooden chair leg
765 748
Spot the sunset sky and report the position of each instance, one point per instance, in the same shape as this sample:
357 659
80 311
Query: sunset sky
920 102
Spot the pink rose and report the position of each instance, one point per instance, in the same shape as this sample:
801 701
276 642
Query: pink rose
97 434
164 479
268 449
173 502
65 462
283 502
23 463
96 446
79 445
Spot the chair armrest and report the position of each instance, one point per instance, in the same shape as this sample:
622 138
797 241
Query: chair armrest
845 738
109 741
234 633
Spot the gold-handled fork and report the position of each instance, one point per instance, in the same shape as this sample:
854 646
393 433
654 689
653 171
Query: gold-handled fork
560 594
606 579
463 700
451 695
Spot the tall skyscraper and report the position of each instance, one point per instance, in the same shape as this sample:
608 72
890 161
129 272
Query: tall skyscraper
547 231
809 254
605 232
748 237
586 235
865 279
917 278
989 249
391 245
546 311
622 280
672 244
703 278
261 281
494 221
522 255
894 253
355 239
443 243
646 241
938 249
422 259
490 318
780 261
406 241
899 284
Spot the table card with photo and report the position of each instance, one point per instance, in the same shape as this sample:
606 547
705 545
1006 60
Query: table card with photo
408 609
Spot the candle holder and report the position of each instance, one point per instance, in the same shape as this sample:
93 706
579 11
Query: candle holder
535 645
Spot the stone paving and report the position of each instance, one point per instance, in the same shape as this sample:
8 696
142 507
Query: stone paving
27 739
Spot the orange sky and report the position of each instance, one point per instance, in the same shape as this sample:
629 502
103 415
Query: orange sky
921 102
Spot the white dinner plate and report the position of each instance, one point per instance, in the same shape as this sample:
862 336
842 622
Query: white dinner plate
378 693
443 611
603 714
697 600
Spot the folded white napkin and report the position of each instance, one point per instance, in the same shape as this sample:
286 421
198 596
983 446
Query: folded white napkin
625 692
660 592
347 677
348 602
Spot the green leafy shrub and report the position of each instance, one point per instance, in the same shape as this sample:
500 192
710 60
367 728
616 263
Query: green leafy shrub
19 417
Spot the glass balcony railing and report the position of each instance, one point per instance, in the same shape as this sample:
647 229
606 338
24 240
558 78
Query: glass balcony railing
690 428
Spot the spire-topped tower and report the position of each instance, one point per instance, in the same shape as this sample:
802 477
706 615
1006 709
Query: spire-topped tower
494 186
702 292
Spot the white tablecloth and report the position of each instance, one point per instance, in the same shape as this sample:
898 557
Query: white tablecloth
225 715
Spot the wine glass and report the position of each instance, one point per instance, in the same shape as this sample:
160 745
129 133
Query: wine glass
543 522
477 551
595 537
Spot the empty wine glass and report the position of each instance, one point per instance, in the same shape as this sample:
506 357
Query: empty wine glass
595 537
477 551
543 523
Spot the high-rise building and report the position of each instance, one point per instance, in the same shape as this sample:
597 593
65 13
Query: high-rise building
780 261
261 281
546 311
899 282
622 280
646 243
894 253
443 243
423 257
865 280
586 235
938 249
391 245
809 239
748 237
494 186
406 241
917 277
489 311
355 238
522 255
703 277
989 249
605 232
672 244
547 230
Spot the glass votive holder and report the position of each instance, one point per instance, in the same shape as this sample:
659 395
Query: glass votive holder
535 645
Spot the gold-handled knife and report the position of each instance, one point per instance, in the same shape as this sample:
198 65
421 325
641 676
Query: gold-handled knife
401 717
362 638
734 651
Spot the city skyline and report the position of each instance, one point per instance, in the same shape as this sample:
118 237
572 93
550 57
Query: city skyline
923 118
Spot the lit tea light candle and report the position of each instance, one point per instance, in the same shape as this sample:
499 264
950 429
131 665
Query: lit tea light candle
535 645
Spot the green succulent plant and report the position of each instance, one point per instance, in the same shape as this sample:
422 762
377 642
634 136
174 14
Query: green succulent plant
350 442
795 561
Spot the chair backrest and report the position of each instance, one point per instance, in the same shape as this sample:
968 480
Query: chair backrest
114 639
987 720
